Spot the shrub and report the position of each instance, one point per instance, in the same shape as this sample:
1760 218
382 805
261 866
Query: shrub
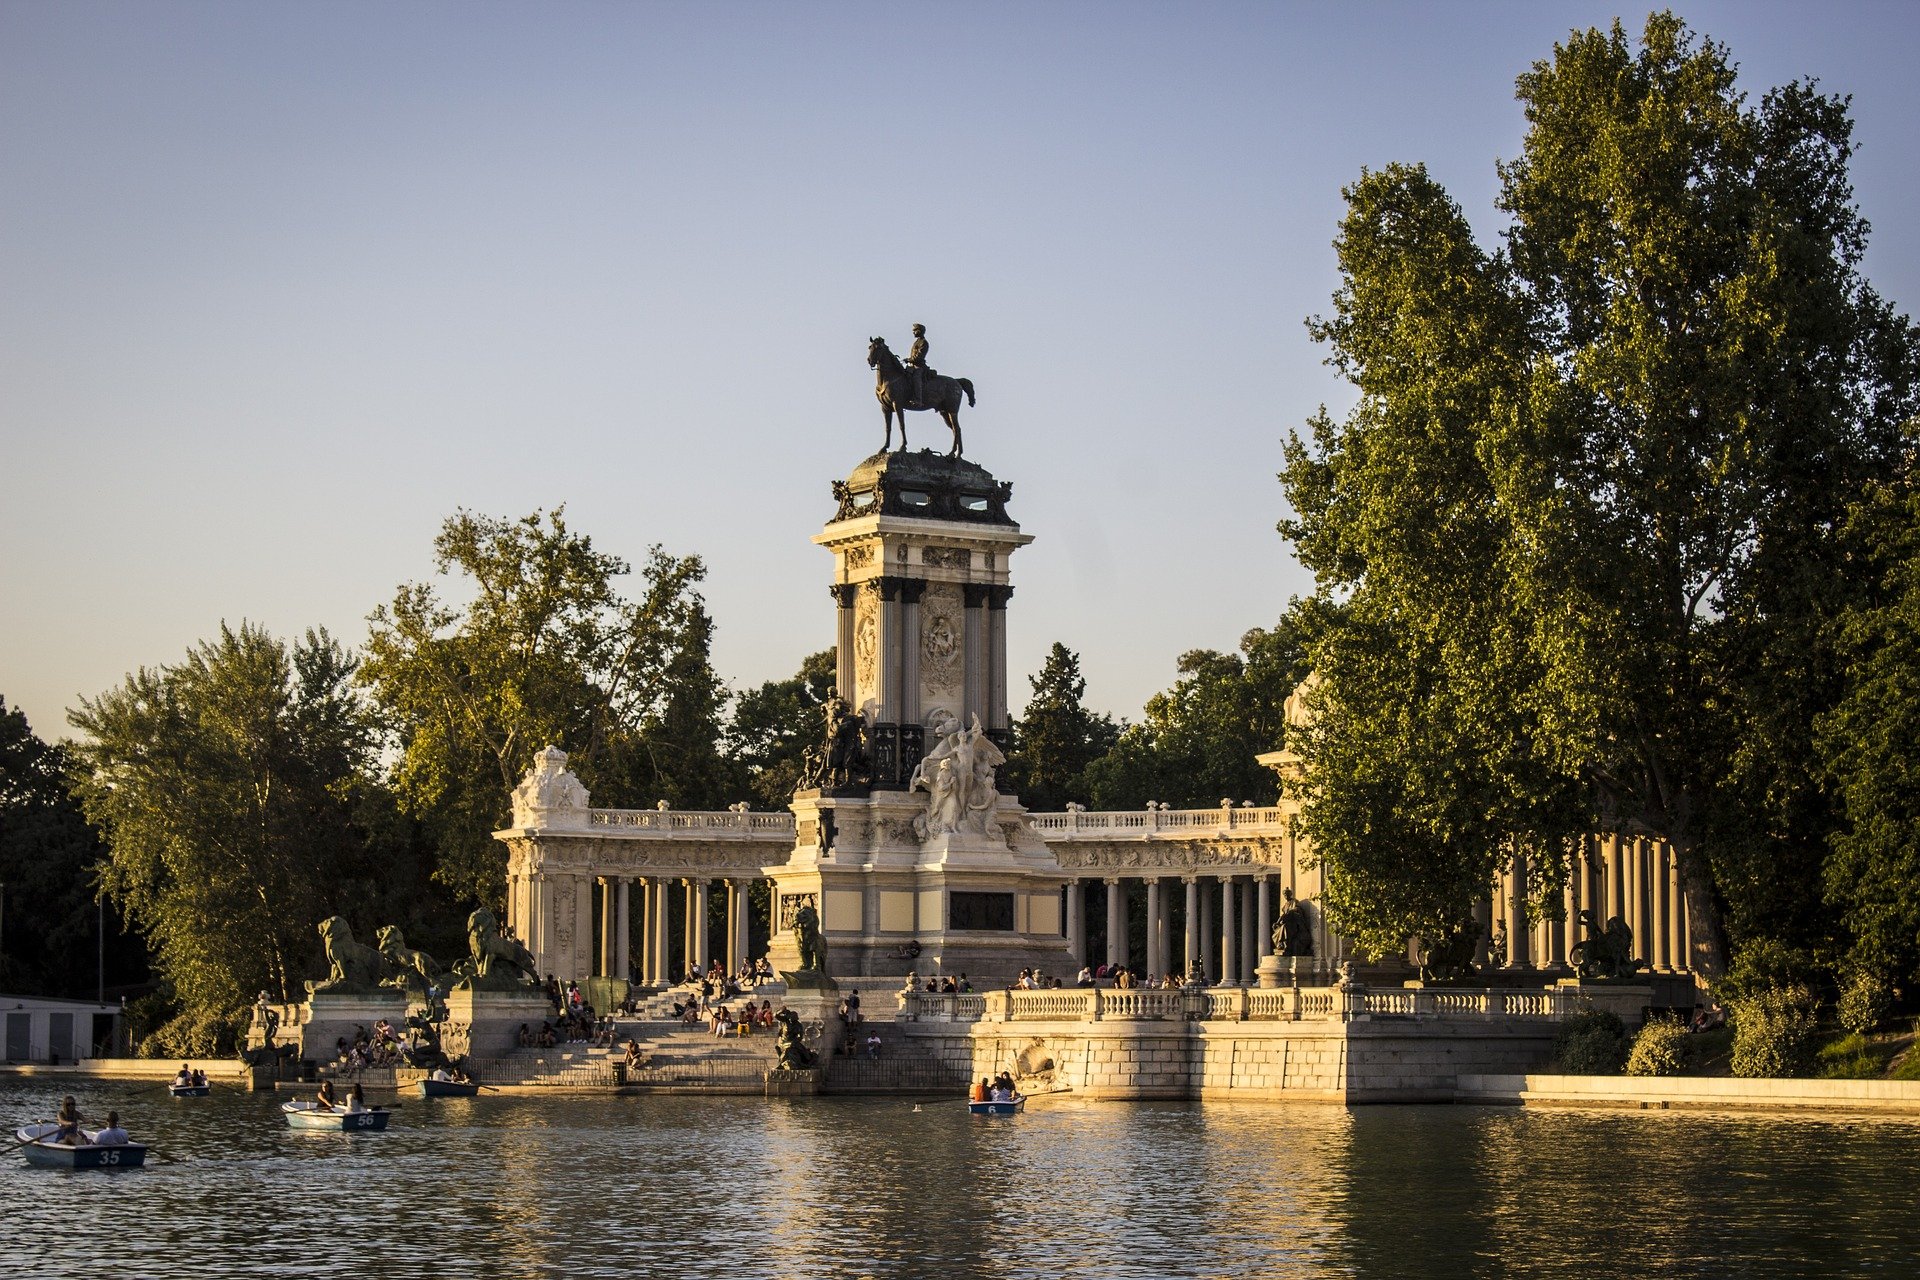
1773 1032
1659 1050
1592 1042
1865 1002
1854 1057
1765 965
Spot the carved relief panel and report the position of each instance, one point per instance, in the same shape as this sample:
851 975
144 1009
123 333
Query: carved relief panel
942 646
866 646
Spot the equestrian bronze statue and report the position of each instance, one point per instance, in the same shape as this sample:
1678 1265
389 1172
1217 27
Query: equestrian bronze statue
899 388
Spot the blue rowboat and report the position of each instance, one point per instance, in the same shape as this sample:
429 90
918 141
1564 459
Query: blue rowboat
189 1090
1013 1108
311 1115
448 1088
36 1145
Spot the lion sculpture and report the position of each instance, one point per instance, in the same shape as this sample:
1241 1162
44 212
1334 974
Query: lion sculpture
496 962
791 1043
415 972
353 968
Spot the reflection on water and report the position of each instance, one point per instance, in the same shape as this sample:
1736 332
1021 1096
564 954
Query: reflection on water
873 1187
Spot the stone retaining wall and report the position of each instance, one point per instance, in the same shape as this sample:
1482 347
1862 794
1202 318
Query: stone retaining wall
1689 1091
1368 1060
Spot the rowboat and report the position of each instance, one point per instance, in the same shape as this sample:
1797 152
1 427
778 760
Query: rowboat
311 1115
189 1090
1012 1108
35 1144
448 1088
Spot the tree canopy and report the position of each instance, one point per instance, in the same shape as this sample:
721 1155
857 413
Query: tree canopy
1057 738
1581 515
774 725
231 789
546 652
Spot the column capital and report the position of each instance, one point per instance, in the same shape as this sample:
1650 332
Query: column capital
974 594
998 594
896 587
843 593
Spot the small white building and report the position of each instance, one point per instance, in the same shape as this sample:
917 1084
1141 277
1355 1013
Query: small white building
39 1029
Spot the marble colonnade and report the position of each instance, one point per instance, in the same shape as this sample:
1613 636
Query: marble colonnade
1635 878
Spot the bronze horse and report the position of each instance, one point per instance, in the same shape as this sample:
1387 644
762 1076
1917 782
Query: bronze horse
893 389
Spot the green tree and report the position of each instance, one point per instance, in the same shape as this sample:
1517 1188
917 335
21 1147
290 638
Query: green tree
1589 481
547 651
774 725
1869 746
50 877
1198 742
232 791
1057 738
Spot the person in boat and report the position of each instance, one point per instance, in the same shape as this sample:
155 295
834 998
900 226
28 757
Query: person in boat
1000 1093
441 1074
356 1100
324 1100
185 1078
199 1078
68 1120
979 1091
113 1135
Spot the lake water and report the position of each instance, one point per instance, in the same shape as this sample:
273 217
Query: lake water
847 1187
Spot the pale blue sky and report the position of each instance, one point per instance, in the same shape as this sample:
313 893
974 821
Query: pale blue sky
282 286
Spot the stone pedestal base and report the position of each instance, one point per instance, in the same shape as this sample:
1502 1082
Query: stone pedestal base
486 1024
326 1018
1630 1000
794 1084
1271 972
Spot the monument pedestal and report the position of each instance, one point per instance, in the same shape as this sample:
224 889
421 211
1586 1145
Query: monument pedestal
325 1018
1629 1000
486 1024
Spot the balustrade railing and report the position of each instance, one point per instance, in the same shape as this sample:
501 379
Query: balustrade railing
1231 1004
1143 823
744 822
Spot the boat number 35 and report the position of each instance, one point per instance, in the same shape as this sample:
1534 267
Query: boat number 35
109 1157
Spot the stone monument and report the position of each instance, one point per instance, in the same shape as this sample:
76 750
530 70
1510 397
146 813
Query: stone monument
906 850
352 997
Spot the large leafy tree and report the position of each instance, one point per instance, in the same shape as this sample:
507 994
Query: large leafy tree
774 725
1058 737
1197 743
1587 487
50 877
233 793
546 651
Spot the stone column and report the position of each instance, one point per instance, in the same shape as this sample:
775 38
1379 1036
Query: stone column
702 935
996 721
662 953
1637 896
1517 951
843 597
1263 928
622 932
1249 936
910 591
886 622
1191 951
1682 935
604 944
1229 939
1483 928
1116 922
1208 955
1076 921
1616 858
1156 931
1556 949
974 596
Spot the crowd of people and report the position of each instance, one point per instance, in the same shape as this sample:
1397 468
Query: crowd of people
998 1089
1125 979
380 1047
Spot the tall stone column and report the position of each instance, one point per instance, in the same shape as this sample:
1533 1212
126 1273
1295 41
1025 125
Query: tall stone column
1616 856
702 936
1263 930
605 920
974 596
662 953
1637 896
1518 956
622 932
1191 951
996 722
1229 941
1077 921
1249 951
1677 918
844 594
1156 930
1483 929
1116 922
1556 949
1208 956
910 591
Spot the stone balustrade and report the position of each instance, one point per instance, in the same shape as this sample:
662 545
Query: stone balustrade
1237 1004
680 822
1144 824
